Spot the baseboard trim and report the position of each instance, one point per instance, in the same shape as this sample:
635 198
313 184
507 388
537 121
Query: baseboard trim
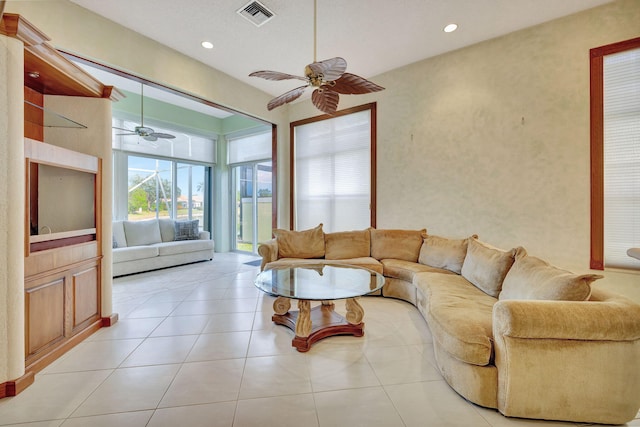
110 321
42 361
13 388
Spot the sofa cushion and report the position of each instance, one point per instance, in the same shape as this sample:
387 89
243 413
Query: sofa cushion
444 253
186 230
396 244
486 266
300 244
405 270
142 232
533 278
364 262
134 253
119 238
167 229
183 246
347 244
459 316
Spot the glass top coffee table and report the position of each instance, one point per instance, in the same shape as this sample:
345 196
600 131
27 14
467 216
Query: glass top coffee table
324 283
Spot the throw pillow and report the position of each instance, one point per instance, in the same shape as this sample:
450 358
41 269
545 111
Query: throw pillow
114 245
347 244
142 232
300 244
486 266
533 278
396 244
440 252
186 230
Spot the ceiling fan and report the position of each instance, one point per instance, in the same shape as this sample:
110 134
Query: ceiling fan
328 77
146 133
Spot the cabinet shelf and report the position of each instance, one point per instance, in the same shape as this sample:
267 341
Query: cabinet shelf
50 119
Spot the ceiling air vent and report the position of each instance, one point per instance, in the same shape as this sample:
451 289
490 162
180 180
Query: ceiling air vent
256 13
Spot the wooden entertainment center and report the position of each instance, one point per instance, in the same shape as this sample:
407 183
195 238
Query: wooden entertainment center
63 212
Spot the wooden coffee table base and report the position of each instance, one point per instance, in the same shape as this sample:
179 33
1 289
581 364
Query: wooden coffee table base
325 322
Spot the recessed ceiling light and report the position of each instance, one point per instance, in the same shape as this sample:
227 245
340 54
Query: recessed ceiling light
207 45
450 28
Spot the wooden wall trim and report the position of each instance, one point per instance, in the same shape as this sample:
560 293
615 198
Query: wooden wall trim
110 321
15 387
274 176
596 261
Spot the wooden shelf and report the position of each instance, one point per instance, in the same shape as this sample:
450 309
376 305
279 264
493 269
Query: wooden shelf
56 75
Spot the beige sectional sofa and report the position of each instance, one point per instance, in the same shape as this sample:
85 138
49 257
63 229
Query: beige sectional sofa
510 331
158 243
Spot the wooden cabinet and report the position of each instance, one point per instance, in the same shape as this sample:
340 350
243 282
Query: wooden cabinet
63 263
63 225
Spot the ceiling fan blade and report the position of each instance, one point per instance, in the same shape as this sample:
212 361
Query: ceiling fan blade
286 97
115 127
126 134
162 135
331 69
275 75
350 84
150 138
325 100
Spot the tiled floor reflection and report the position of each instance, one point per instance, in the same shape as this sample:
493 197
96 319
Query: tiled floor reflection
195 346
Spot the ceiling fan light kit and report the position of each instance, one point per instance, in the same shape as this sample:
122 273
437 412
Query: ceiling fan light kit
329 77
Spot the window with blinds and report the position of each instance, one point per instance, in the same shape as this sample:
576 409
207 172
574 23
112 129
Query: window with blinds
243 148
332 172
621 126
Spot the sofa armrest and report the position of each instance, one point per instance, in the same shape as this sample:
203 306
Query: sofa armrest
268 251
549 353
616 319
204 235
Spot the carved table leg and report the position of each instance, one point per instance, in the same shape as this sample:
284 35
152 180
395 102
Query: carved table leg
355 312
281 305
303 324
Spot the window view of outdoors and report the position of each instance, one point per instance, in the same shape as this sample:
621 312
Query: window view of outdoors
253 205
152 194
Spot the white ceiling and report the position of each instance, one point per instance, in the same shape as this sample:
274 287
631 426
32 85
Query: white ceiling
374 36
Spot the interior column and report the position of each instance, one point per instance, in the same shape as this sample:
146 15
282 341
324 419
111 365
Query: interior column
12 212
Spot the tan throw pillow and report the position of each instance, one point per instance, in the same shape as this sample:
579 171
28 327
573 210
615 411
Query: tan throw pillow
396 244
486 266
533 278
300 244
440 252
347 244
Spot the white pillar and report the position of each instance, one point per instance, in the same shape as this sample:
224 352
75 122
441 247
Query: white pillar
12 209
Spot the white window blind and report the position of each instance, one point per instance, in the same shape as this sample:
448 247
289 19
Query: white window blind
332 173
249 148
621 158
184 146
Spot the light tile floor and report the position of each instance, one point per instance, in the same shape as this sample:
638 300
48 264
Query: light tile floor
195 346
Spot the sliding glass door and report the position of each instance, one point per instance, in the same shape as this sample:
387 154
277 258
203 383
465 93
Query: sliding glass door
252 184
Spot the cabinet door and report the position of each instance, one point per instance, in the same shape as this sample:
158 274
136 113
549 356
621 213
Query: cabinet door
45 314
86 296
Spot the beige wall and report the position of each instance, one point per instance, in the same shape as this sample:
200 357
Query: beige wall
493 139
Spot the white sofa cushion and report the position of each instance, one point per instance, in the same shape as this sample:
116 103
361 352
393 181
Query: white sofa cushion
119 238
183 246
134 253
167 229
142 232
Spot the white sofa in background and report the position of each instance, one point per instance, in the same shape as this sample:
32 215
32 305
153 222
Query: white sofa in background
151 244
